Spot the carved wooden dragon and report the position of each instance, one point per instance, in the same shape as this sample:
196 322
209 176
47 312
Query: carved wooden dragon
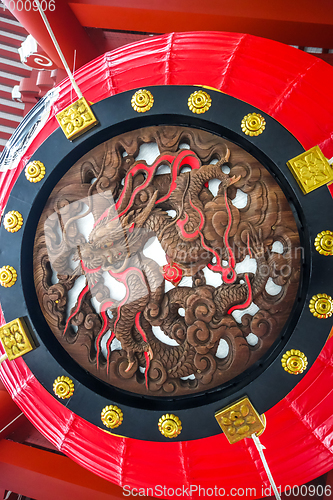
115 246
199 232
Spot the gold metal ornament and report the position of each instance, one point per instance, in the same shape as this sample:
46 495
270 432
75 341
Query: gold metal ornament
35 171
209 88
13 221
16 338
294 362
264 423
76 119
253 124
311 169
63 387
240 420
199 102
142 101
324 243
8 276
169 425
112 416
321 306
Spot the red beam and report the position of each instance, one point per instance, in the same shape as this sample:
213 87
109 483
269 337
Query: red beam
69 33
9 412
40 474
295 23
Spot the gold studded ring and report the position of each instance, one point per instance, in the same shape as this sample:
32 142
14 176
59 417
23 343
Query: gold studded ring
294 362
199 102
63 387
35 171
253 124
13 221
142 101
8 276
170 425
112 416
324 243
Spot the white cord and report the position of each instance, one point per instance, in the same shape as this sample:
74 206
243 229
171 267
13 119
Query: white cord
331 161
57 46
260 449
10 423
3 358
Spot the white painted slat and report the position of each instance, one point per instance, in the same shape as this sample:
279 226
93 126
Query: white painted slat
10 76
12 104
7 130
16 64
15 36
9 116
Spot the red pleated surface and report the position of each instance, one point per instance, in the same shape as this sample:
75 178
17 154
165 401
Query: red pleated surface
293 87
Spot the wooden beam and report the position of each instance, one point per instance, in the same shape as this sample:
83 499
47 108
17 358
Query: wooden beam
300 22
69 33
40 474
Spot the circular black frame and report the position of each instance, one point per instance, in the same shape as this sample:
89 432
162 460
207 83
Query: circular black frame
265 383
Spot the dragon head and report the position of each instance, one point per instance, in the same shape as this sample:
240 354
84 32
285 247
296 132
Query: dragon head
115 239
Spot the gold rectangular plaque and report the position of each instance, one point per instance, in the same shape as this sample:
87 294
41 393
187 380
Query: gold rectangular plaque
239 420
76 119
16 338
311 169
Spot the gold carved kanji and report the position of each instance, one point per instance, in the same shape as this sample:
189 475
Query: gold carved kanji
239 420
16 338
311 169
76 119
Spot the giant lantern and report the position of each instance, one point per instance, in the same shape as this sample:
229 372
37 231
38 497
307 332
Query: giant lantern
166 253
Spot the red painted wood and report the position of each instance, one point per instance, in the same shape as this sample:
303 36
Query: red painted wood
67 30
9 81
42 475
14 56
5 135
8 40
294 23
8 26
8 123
15 70
9 411
6 95
11 110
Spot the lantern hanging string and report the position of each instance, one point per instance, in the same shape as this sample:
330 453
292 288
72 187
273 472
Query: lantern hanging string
260 448
58 49
3 358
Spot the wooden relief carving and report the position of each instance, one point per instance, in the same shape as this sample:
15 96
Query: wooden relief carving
176 327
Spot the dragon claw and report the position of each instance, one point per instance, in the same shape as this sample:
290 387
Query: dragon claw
130 364
234 179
